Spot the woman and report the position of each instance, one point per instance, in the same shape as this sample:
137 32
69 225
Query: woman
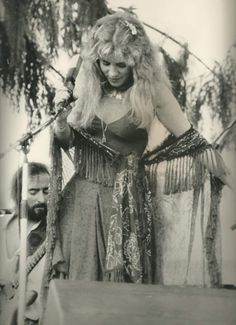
120 217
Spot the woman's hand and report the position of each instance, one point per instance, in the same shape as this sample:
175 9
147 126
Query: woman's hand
61 102
61 120
62 95
62 130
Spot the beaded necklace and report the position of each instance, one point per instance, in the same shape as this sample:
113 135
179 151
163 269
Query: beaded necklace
115 94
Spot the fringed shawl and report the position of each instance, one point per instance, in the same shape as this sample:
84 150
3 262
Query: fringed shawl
53 206
187 159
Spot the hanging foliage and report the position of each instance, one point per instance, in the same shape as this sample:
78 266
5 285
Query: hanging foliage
216 92
32 31
24 61
77 17
177 69
29 36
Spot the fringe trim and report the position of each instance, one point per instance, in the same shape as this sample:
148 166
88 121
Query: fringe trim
92 160
53 207
184 173
209 236
93 164
197 192
214 266
116 275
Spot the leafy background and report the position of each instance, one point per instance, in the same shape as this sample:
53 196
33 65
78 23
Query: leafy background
33 31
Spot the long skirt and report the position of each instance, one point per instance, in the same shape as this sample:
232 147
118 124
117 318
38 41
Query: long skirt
185 238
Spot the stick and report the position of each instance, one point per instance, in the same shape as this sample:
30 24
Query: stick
23 245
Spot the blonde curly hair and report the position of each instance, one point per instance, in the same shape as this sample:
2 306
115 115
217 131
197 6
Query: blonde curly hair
120 36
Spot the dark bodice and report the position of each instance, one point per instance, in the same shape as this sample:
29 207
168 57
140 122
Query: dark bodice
121 135
93 159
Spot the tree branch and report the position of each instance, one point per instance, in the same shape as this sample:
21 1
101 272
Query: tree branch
220 140
130 10
180 44
58 72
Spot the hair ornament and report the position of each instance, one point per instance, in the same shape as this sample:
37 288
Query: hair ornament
132 27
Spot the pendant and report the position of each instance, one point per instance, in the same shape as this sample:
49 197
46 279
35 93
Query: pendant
115 94
103 138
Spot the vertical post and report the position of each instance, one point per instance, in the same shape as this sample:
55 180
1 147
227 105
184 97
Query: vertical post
23 243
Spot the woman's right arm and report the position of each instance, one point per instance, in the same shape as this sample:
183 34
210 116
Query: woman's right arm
63 131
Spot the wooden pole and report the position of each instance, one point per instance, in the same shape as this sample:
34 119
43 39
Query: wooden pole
23 243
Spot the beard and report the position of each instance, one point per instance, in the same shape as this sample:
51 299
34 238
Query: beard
37 212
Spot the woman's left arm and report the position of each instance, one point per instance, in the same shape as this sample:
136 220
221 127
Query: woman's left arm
174 120
170 113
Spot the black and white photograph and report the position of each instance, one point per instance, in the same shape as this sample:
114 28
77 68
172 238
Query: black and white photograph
117 162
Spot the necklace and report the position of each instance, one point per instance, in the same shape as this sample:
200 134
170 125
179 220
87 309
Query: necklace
115 94
104 129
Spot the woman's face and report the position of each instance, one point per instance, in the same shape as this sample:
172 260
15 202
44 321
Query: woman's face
117 73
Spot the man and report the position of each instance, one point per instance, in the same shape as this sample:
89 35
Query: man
37 195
